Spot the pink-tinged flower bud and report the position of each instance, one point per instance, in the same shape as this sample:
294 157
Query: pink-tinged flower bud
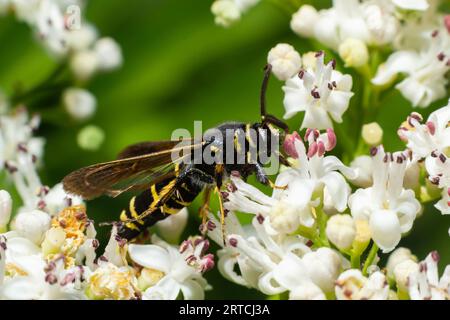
332 140
207 262
320 148
312 150
431 127
289 144
447 22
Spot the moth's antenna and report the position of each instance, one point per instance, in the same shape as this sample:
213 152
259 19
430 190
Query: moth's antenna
267 71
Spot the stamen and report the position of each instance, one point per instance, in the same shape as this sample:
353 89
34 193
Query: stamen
319 54
260 218
442 157
435 256
315 93
441 56
373 151
301 74
332 140
431 127
233 242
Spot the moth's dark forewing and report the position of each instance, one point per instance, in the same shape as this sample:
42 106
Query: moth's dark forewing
115 177
143 148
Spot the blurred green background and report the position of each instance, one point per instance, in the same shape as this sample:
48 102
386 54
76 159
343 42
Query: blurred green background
180 67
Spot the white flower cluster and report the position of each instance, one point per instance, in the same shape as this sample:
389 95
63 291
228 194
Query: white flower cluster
48 250
62 263
306 239
227 12
60 27
416 31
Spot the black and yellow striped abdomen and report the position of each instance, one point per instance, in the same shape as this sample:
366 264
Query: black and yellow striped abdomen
181 197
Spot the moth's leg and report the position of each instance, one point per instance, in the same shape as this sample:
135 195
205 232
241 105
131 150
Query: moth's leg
204 209
262 177
219 177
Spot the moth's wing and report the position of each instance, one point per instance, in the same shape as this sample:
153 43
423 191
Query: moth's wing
115 177
143 148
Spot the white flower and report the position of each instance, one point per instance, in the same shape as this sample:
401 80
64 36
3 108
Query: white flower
425 71
381 22
419 5
29 276
372 22
51 27
424 284
303 21
109 54
398 256
402 272
354 52
321 93
32 225
5 209
425 138
352 285
226 12
341 231
285 61
323 267
315 170
387 206
306 181
181 269
257 254
112 282
172 227
306 291
79 103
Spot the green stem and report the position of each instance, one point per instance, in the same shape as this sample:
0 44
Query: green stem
44 85
322 219
370 257
355 261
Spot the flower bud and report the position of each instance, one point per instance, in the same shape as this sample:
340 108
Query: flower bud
323 267
79 103
90 138
32 225
226 12
289 144
341 231
109 54
402 272
285 61
416 5
304 20
412 176
5 209
54 239
84 64
447 22
148 278
362 237
82 38
372 133
306 291
363 167
396 257
172 227
354 52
